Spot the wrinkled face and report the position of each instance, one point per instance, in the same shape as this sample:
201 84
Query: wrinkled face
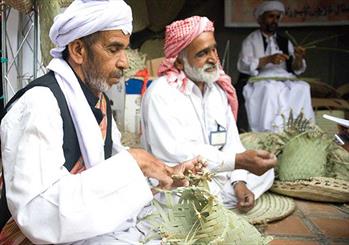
269 21
201 59
106 60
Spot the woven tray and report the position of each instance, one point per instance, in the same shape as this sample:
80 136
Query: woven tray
269 207
321 189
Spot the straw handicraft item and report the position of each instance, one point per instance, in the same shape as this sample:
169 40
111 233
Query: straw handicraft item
269 207
311 166
198 218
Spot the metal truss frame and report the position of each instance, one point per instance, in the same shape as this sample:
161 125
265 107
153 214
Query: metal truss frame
27 37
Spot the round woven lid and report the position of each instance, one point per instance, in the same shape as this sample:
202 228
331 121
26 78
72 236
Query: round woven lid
269 207
322 189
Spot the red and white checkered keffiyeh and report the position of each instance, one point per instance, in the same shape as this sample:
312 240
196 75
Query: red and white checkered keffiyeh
178 36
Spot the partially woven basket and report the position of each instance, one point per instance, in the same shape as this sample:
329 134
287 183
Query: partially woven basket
316 189
198 218
23 6
269 207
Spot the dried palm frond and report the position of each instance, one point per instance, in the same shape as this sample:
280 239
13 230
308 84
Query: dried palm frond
313 44
306 79
198 218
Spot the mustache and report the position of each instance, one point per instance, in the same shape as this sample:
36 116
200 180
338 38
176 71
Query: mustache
210 66
118 74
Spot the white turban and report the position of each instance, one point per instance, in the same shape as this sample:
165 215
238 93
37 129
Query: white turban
84 17
269 6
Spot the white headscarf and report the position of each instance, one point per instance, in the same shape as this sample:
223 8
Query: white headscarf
81 18
84 17
269 6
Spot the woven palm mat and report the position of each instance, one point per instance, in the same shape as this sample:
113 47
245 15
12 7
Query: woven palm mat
316 189
269 207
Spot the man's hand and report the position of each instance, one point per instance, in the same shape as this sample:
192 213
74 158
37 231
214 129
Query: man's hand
278 58
194 165
299 52
152 167
245 197
257 162
274 59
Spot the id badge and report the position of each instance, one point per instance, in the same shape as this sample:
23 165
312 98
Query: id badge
218 138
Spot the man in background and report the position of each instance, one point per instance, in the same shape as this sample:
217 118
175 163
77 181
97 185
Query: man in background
273 62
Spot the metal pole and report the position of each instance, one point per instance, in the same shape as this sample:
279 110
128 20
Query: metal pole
36 40
4 52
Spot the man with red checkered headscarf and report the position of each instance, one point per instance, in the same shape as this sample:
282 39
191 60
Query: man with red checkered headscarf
191 110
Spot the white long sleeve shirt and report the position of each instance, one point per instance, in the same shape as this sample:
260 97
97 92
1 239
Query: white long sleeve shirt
252 50
49 204
176 126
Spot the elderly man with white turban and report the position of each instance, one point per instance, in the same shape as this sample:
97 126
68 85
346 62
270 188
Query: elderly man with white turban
267 54
67 177
190 110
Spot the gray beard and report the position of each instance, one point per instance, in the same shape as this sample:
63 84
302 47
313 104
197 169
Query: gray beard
94 81
199 74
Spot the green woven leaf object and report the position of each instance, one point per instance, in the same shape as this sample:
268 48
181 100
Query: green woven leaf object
310 165
338 161
198 218
302 158
252 140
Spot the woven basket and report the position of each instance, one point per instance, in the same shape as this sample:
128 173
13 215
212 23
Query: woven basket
322 90
23 6
343 90
321 189
140 14
269 207
162 13
198 218
339 159
252 140
303 158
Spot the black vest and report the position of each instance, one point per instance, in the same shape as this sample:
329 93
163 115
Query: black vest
71 147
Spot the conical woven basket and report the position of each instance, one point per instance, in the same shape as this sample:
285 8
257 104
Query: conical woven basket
269 207
23 6
316 189
303 158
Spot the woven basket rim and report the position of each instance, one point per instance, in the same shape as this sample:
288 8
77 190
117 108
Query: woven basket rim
325 189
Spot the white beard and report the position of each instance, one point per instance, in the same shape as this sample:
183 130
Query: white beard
199 74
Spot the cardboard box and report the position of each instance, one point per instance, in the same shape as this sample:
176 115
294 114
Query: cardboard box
126 97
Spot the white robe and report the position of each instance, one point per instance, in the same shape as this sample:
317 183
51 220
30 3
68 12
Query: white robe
50 204
176 126
267 100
